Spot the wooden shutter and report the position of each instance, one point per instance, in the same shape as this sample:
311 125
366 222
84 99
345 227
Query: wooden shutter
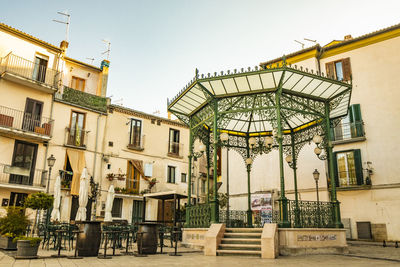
356 121
358 165
335 169
346 69
330 69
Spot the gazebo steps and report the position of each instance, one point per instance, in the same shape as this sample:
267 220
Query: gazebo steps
243 230
240 241
253 247
226 252
243 235
249 241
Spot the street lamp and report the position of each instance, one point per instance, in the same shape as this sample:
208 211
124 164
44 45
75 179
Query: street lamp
316 178
50 162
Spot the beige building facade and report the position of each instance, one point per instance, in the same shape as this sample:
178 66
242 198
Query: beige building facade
366 165
52 104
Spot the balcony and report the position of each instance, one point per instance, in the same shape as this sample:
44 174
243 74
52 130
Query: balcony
175 150
348 132
66 179
21 178
76 137
82 99
28 73
19 123
137 143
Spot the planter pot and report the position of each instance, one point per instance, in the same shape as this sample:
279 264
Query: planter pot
88 242
7 243
26 250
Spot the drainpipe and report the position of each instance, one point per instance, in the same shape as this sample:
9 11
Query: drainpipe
94 165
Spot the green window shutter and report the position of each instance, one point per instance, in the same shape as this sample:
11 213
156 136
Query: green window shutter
358 165
335 170
357 129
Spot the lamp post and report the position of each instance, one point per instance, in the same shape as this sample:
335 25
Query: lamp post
50 162
316 178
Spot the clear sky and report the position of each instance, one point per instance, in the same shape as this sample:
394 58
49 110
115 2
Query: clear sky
157 44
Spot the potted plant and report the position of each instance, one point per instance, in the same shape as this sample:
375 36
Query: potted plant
117 189
123 190
27 247
38 201
12 225
110 176
121 176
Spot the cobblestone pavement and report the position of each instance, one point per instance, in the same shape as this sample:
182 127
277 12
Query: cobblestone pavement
195 258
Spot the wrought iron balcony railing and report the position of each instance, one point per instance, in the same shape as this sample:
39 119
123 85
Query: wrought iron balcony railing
310 214
346 131
26 122
66 178
83 99
137 142
15 175
76 137
175 149
24 68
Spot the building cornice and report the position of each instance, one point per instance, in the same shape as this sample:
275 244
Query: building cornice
29 37
144 115
75 61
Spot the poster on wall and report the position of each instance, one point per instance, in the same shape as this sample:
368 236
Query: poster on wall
261 204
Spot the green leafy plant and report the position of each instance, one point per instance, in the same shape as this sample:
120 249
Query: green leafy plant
33 240
39 201
14 223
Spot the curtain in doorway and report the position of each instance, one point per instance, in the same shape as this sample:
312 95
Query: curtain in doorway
77 161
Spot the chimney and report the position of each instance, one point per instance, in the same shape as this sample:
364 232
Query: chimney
105 64
348 37
64 46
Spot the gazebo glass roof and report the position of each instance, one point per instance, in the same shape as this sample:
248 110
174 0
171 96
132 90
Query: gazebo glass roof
246 100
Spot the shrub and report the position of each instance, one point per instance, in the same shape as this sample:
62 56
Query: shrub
14 223
39 201
33 240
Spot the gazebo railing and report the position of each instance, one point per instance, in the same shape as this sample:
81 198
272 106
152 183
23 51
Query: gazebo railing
311 214
199 216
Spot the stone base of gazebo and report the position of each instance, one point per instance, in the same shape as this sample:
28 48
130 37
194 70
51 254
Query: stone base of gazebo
288 241
303 241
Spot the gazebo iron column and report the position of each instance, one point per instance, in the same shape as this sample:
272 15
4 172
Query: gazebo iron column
227 184
283 201
208 166
190 169
248 166
296 196
335 203
214 203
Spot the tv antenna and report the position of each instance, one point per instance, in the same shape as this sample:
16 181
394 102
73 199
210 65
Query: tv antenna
313 41
91 59
302 44
108 43
68 17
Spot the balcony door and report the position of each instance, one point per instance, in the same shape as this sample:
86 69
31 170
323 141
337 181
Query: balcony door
39 68
76 133
23 163
32 114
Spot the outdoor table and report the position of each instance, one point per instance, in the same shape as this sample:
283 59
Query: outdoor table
76 247
59 237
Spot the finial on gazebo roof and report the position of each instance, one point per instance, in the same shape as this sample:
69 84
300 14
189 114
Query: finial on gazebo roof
196 72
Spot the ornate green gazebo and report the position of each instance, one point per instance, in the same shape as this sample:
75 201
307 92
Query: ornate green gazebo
255 111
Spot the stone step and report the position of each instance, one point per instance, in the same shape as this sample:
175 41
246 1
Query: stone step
242 235
248 241
243 230
240 247
226 252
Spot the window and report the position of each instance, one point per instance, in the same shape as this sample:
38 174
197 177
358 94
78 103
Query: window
23 163
78 83
135 133
32 115
203 186
17 199
77 129
339 69
183 177
117 208
173 146
351 126
132 179
39 68
171 174
348 169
